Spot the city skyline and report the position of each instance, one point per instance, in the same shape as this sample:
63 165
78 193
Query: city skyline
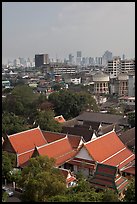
61 28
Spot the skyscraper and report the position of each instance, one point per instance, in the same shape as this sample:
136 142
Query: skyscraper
79 56
41 59
106 57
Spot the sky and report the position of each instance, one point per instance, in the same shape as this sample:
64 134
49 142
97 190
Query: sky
61 28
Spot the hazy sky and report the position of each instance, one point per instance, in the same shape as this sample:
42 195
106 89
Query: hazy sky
61 28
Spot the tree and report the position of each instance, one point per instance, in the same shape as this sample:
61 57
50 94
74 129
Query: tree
131 119
4 196
8 163
70 104
110 195
41 180
130 192
46 121
20 100
12 123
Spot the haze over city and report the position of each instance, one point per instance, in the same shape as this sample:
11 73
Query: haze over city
60 28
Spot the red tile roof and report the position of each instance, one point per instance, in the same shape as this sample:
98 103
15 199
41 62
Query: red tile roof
130 170
75 141
60 119
24 157
52 136
68 175
85 163
61 150
27 140
109 149
120 159
105 176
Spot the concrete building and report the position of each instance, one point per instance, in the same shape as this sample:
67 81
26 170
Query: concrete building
101 83
127 65
76 80
123 84
106 57
131 85
41 59
79 57
114 67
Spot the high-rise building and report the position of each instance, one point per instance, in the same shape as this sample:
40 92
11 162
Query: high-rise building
114 67
41 59
79 56
127 65
106 57
71 59
91 61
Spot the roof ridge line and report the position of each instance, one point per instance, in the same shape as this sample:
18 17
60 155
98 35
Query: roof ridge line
100 136
23 132
54 132
65 154
122 182
118 178
52 142
25 152
125 159
113 155
42 134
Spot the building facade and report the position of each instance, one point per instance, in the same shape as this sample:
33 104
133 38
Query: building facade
101 83
41 59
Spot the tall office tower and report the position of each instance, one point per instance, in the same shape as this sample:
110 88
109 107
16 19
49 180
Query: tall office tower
41 59
99 60
123 56
16 62
106 57
114 67
91 60
79 56
87 61
83 62
22 61
71 59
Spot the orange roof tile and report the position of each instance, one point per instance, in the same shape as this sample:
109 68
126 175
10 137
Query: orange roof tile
109 149
24 157
60 119
75 140
61 150
52 136
66 157
27 140
120 159
130 170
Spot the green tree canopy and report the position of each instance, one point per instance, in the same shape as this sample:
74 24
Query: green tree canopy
130 192
110 195
46 121
41 180
70 104
19 100
8 163
12 124
131 119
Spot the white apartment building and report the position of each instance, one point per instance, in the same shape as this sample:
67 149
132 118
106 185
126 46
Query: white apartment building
127 65
113 67
116 66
